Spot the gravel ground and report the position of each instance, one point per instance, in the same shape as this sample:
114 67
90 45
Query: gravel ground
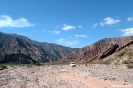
53 76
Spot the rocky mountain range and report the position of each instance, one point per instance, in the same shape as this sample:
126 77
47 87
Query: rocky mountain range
38 51
20 49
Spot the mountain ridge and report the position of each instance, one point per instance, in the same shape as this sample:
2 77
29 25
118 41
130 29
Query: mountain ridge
41 52
50 52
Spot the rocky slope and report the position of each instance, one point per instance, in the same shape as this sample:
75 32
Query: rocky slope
42 52
103 48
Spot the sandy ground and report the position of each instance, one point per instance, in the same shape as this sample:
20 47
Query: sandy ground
63 76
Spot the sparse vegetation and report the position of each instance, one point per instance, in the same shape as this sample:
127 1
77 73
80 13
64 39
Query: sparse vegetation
129 66
107 62
121 54
2 67
130 54
126 62
86 64
38 64
13 64
116 63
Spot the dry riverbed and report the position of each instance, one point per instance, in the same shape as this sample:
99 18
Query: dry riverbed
64 76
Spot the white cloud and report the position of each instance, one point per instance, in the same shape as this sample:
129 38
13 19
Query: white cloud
64 41
67 27
79 26
61 40
56 32
84 36
102 24
127 32
7 21
95 25
46 31
109 21
130 19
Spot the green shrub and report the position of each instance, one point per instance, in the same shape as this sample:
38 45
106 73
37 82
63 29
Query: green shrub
37 64
107 62
126 62
130 53
86 64
2 67
129 66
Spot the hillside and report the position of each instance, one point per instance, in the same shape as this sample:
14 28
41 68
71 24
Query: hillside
41 52
17 46
97 52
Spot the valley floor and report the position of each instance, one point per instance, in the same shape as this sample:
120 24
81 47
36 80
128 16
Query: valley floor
63 76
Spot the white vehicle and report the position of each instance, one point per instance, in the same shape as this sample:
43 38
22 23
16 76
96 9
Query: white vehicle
72 64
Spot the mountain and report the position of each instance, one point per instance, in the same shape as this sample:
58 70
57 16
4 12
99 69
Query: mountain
12 44
100 50
20 49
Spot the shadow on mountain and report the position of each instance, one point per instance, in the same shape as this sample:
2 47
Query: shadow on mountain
16 59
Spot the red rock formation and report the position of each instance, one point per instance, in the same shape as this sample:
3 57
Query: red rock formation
99 50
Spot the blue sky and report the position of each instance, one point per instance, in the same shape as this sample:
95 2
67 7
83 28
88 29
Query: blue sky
72 23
